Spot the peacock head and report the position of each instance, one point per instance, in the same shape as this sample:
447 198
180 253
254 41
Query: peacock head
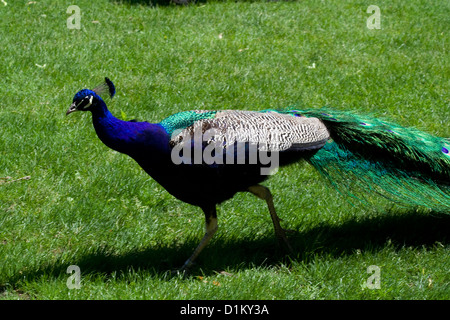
87 100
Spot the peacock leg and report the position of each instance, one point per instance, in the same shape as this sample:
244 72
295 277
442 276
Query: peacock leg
211 228
264 194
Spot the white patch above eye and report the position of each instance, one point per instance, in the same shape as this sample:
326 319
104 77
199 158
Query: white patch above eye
90 101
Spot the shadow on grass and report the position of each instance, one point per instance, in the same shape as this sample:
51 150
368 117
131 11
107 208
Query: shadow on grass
409 229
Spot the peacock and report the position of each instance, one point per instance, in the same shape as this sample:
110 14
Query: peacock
204 157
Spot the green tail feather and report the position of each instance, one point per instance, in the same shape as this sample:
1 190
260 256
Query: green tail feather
365 153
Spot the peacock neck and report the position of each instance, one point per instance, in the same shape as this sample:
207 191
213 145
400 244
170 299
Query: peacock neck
127 137
102 118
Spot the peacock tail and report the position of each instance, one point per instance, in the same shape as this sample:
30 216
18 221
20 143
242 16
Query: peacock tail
369 155
363 154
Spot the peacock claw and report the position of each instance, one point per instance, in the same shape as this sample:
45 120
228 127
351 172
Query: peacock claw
283 240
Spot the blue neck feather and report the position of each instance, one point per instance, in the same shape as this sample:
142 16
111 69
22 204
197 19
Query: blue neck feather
133 138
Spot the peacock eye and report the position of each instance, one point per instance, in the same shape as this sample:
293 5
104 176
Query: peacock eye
85 103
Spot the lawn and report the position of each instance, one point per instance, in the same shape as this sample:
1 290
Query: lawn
66 199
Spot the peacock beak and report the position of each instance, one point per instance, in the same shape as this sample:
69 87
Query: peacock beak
73 108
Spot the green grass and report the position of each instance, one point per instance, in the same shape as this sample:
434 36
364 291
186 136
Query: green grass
86 205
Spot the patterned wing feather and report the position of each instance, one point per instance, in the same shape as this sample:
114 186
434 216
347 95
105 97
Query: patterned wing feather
270 131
